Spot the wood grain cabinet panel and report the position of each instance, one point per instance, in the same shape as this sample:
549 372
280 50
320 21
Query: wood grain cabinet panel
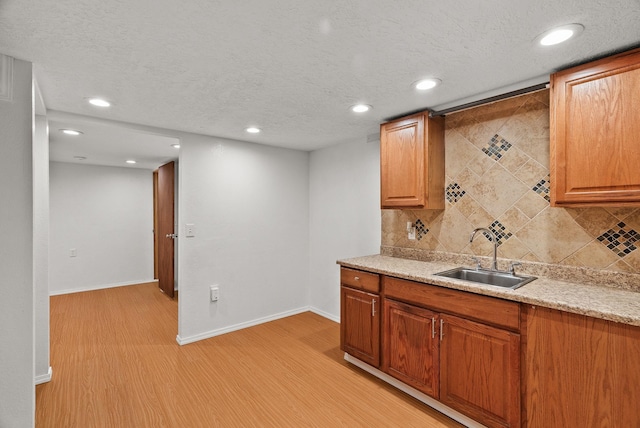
595 133
480 371
360 325
412 162
579 371
488 310
411 346
457 347
361 280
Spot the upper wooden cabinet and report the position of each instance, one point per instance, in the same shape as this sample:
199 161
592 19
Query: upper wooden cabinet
412 162
595 133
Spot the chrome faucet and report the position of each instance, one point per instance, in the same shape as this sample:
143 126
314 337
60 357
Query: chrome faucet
493 239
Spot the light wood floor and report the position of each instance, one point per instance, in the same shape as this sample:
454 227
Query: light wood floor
116 364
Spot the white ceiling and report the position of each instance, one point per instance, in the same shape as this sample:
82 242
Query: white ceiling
294 67
107 144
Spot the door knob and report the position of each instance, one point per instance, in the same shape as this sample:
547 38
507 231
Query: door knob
172 235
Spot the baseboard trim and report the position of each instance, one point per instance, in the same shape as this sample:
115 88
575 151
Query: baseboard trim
213 333
453 414
324 314
44 378
100 287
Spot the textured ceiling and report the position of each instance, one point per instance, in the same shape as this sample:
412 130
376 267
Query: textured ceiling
107 144
294 67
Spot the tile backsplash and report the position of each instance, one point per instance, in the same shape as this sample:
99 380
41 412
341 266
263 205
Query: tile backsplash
497 176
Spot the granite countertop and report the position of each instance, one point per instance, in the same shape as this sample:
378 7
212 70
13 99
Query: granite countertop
600 301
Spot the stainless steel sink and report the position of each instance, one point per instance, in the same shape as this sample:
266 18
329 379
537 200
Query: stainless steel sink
490 277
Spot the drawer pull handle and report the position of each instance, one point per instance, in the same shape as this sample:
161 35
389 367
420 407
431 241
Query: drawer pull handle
357 278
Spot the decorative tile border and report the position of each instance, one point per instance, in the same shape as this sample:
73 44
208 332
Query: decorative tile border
454 192
501 233
496 147
421 230
543 188
621 241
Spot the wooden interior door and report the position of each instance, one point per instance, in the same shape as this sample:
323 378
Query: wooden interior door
155 224
165 235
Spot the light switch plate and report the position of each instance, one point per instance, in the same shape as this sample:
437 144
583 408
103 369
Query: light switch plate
214 293
190 230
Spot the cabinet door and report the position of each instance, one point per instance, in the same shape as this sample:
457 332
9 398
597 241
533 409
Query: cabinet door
595 133
402 163
580 371
411 346
480 371
360 325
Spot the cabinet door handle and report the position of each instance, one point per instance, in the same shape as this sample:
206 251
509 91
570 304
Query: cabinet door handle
441 329
357 278
433 328
373 307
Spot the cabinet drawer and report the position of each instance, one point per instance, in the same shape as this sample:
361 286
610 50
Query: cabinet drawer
360 280
485 309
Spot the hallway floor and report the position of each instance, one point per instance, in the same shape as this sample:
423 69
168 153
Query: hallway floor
116 363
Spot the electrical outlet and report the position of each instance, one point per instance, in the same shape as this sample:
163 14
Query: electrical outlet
214 292
73 252
411 231
411 234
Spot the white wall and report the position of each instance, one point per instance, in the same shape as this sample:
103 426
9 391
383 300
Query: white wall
250 207
41 247
106 215
17 391
270 225
344 216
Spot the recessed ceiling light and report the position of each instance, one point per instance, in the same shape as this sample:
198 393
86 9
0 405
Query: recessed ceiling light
70 132
361 108
175 146
559 34
99 102
253 130
131 161
426 84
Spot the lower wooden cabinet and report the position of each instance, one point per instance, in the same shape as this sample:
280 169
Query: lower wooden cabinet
468 366
500 363
480 371
360 325
411 346
579 371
